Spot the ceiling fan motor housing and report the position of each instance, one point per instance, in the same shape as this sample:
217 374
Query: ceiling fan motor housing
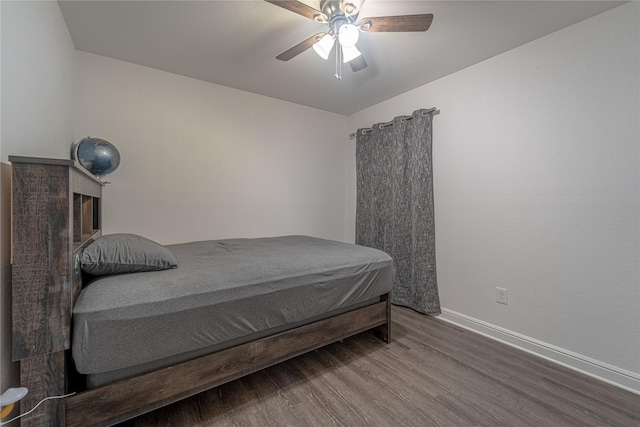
338 21
330 7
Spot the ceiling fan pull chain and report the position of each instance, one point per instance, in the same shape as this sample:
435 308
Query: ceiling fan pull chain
338 74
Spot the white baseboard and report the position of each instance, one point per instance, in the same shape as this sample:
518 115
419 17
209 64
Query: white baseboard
604 372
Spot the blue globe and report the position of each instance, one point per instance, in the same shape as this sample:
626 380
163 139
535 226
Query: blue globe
96 155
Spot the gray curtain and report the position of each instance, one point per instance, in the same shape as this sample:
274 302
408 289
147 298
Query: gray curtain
394 211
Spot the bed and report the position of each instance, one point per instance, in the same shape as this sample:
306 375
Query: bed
129 343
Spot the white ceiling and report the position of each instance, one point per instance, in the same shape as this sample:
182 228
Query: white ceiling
234 43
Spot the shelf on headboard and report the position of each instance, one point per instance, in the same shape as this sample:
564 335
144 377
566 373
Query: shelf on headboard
86 238
53 161
86 217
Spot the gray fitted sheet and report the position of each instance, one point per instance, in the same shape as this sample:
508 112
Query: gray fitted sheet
222 291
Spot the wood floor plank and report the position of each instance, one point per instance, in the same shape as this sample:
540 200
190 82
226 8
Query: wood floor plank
432 374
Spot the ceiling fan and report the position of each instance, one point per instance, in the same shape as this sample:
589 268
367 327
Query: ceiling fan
342 18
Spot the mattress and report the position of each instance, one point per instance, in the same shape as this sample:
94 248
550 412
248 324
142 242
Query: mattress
222 292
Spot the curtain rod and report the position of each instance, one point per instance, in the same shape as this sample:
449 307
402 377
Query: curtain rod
433 111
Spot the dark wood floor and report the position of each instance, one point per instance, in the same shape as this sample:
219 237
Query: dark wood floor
433 374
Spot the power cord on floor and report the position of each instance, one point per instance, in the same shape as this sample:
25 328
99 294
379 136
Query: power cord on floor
34 408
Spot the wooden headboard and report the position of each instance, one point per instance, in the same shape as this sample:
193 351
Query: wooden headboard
56 213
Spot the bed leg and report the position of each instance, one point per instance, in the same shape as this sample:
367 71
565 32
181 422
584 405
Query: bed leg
383 332
43 375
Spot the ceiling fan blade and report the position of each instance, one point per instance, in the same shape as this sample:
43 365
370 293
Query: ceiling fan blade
351 7
301 9
399 23
358 64
300 47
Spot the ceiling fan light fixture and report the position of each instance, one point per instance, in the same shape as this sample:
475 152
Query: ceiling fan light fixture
349 53
324 45
348 35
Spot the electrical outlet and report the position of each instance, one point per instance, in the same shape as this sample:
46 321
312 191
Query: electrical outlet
502 296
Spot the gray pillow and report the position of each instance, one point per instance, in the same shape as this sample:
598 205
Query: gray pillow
125 253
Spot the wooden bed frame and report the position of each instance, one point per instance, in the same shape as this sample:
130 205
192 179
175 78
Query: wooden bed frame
56 213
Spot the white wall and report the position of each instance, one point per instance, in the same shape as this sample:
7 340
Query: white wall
203 161
38 81
38 118
536 174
